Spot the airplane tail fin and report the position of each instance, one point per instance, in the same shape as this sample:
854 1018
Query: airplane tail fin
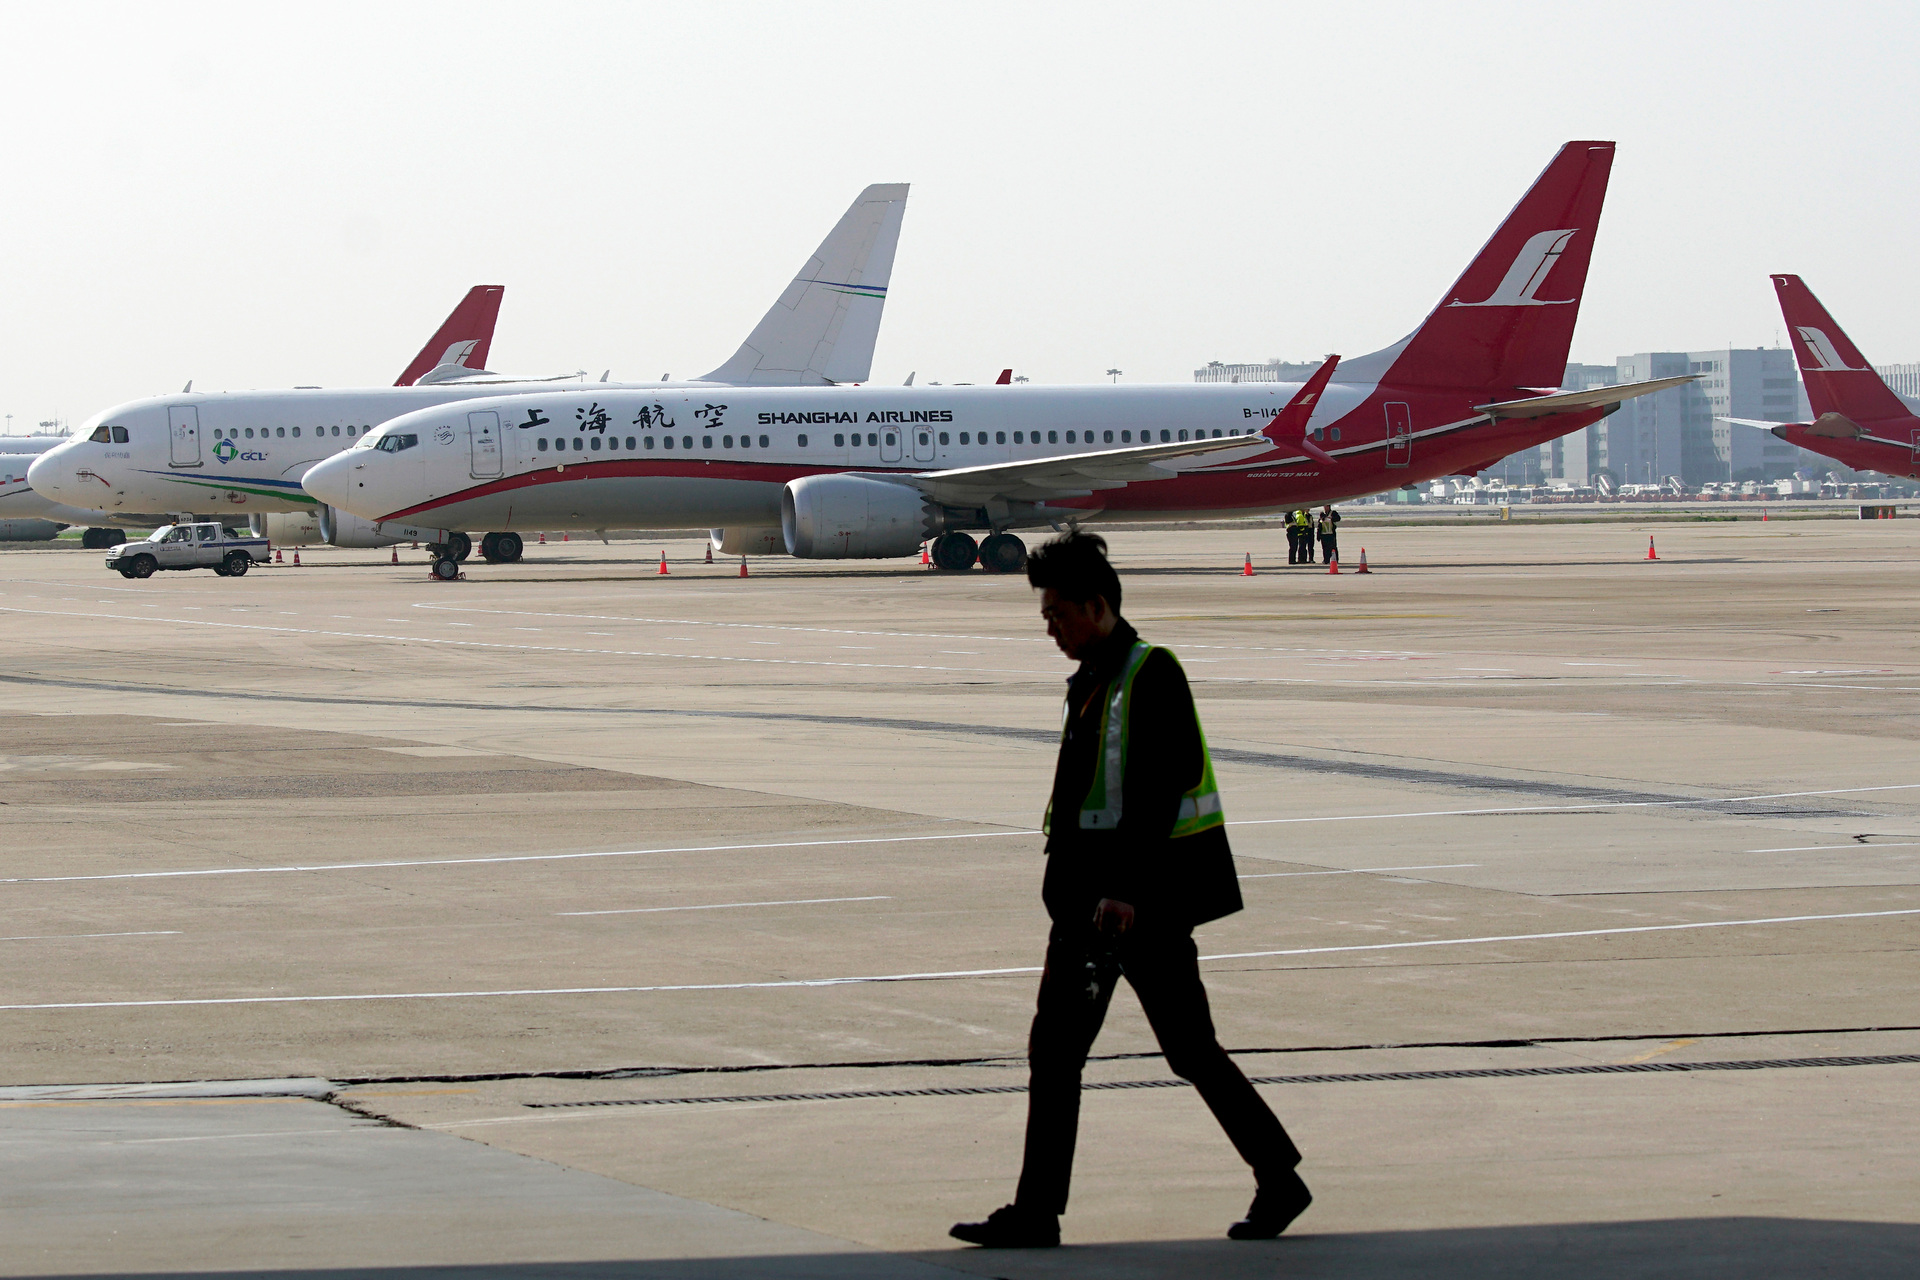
1508 320
460 344
1839 379
822 329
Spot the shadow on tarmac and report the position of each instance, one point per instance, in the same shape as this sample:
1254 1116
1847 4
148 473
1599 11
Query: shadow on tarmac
1659 1250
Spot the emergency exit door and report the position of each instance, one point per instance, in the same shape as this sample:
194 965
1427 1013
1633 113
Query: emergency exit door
1399 435
183 432
483 435
890 444
922 442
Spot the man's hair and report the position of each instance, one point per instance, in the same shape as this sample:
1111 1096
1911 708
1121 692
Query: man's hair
1075 566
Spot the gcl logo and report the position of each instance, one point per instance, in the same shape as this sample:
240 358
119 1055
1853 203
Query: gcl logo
226 451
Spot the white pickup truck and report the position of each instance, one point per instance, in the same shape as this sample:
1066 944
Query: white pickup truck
190 546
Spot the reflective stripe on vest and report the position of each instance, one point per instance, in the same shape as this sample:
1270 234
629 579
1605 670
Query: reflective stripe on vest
1199 808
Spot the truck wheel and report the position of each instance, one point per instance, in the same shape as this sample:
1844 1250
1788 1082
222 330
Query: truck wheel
220 571
142 567
126 573
237 564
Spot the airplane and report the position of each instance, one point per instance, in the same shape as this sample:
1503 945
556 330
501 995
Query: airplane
244 452
1857 419
872 472
26 516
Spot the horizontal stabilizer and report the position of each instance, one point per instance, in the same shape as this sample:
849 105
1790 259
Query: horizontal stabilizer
1576 401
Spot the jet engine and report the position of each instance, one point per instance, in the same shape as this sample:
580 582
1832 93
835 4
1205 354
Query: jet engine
29 530
839 517
748 542
343 530
291 529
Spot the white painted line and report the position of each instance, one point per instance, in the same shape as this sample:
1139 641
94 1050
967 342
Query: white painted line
63 937
1821 848
914 977
723 906
1358 871
518 857
1566 808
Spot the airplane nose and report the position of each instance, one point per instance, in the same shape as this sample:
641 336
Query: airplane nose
330 481
46 475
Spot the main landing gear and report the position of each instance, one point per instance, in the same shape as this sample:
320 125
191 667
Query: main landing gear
1000 553
99 539
501 548
458 546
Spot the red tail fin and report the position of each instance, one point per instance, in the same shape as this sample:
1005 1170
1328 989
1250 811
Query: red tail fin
1839 379
1005 379
470 326
1508 320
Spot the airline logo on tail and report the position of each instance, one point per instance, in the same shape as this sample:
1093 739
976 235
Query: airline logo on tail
1529 271
1821 348
457 353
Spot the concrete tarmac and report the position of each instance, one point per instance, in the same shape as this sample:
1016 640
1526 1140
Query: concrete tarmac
1581 921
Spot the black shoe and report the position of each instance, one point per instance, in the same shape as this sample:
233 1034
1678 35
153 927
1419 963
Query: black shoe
1011 1228
1275 1205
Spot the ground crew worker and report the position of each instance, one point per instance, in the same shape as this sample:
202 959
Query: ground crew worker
1292 525
1306 535
1329 534
1136 857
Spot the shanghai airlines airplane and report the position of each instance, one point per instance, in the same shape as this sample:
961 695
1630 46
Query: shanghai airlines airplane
1857 419
245 452
875 471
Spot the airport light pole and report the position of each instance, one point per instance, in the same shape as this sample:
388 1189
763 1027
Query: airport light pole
1115 374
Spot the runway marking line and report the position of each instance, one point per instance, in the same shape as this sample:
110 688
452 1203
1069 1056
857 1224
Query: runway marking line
66 937
925 977
1358 871
722 906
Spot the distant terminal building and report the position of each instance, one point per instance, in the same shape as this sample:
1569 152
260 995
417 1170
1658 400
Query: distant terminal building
1275 370
1904 379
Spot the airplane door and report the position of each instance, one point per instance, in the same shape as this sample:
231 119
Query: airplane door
183 429
483 434
1399 435
890 444
922 442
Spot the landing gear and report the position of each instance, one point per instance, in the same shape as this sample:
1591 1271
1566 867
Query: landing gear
459 546
101 539
501 548
955 551
1003 553
446 568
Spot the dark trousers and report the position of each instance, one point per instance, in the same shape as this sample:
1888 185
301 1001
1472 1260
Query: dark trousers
1293 545
1329 548
1163 968
1306 546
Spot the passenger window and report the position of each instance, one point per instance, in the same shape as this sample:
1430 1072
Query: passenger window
667 441
579 444
839 440
281 432
1336 434
963 437
101 435
336 431
296 433
596 444
686 442
629 442
649 440
999 437
706 442
1166 436
349 431
889 439
119 435
1109 436
763 442
541 444
1053 437
1126 437
803 440
249 433
727 441
1183 435
943 437
1069 437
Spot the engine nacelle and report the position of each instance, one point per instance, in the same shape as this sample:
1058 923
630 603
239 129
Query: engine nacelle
849 518
291 529
339 529
748 542
29 530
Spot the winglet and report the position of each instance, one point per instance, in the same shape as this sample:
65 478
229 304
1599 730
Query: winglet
1005 379
460 344
1289 427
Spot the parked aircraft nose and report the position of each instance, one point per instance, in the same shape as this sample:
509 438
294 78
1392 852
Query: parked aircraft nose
331 481
54 475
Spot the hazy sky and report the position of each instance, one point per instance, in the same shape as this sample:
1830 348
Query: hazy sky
264 195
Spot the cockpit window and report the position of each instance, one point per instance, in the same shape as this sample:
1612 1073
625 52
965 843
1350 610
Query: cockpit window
102 434
119 435
394 442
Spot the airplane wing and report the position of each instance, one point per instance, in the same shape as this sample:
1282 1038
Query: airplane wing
822 329
1073 476
1574 401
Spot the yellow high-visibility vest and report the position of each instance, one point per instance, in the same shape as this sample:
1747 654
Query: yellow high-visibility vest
1199 808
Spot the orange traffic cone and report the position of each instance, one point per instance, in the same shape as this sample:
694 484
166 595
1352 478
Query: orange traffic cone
1650 552
743 566
709 553
396 555
296 557
925 561
663 562
414 546
1363 562
565 538
1246 570
1763 514
543 539
1333 565
278 557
